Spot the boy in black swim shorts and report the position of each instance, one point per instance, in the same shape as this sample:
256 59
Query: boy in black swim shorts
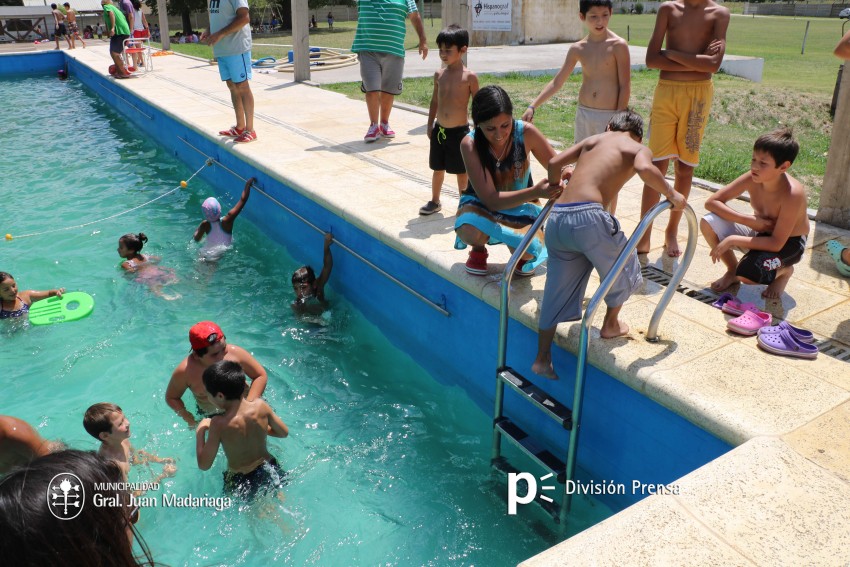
773 237
448 117
242 430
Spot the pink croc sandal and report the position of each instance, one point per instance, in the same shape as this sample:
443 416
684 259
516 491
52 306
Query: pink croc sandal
735 307
749 323
783 343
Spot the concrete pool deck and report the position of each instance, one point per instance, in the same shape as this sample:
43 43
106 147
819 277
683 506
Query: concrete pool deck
782 496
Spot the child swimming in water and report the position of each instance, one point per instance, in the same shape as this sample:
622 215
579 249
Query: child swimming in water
310 290
144 266
17 304
219 230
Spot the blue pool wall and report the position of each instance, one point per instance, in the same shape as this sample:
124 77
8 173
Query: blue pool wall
624 435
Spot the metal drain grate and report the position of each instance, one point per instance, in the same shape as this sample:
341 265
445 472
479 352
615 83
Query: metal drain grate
827 346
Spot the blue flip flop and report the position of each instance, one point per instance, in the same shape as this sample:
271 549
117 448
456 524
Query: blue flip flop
720 301
835 248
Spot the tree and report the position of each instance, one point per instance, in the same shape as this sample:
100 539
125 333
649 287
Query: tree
11 2
182 8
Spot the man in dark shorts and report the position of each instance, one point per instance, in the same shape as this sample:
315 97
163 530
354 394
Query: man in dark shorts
118 30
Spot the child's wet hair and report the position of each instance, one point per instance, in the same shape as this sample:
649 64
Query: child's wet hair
5 276
488 102
627 121
227 377
98 419
134 242
304 274
585 5
780 144
453 35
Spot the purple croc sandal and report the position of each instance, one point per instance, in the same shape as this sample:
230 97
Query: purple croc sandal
783 343
721 301
801 335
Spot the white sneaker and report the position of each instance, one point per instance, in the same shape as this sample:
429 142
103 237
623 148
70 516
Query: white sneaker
373 134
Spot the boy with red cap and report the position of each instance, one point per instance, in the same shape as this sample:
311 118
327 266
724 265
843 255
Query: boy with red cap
208 347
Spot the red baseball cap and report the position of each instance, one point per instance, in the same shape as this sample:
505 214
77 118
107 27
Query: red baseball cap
204 334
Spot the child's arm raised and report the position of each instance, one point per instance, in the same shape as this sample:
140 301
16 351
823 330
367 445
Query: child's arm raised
227 221
327 266
207 440
432 108
555 84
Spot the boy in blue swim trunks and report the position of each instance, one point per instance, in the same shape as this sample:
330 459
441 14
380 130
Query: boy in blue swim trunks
448 116
229 35
242 430
581 235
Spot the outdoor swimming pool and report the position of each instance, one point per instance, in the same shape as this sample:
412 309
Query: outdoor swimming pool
387 466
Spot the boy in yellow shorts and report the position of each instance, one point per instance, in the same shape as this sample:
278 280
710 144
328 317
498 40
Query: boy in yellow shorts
695 32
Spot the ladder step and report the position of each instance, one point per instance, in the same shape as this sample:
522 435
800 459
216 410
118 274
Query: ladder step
550 406
526 444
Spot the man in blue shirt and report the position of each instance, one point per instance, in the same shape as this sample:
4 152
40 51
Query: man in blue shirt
229 35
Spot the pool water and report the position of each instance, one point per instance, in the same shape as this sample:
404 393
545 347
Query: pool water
386 466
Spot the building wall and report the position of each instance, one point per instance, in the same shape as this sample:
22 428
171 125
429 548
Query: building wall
532 21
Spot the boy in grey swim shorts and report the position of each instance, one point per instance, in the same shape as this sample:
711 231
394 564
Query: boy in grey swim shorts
581 235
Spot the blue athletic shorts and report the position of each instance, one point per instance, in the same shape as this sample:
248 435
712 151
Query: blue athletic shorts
235 68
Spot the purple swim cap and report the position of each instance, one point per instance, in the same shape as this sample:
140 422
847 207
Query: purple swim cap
212 209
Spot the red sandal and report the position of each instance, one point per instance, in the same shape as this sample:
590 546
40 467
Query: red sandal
245 137
233 132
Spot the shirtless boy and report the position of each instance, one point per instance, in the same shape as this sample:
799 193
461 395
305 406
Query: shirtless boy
108 424
242 430
605 72
73 29
208 347
59 23
20 443
695 31
582 235
774 235
448 115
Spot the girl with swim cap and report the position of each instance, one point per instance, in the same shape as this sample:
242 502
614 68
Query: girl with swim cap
218 229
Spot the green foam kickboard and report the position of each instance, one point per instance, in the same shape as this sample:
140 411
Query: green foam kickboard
71 306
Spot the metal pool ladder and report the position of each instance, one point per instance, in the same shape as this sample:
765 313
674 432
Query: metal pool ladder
570 419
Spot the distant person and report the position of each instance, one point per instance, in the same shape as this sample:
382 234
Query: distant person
156 34
59 23
126 7
379 44
229 35
35 532
313 23
20 443
242 430
144 266
107 423
773 237
448 115
72 27
99 29
501 201
310 290
605 74
695 33
581 235
218 229
208 347
141 30
330 20
17 304
118 30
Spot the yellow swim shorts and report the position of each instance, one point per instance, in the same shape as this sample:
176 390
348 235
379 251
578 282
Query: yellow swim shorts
678 119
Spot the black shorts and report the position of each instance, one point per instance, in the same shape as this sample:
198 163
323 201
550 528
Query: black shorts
760 266
265 477
445 149
60 30
116 43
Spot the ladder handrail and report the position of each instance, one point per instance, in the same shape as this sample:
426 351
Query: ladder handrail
593 305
